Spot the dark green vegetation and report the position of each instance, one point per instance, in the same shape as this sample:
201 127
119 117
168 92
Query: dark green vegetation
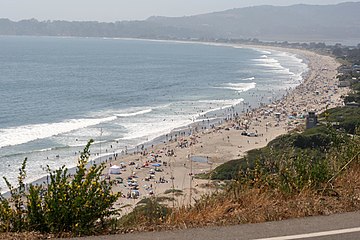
148 212
314 142
299 159
344 118
174 191
79 204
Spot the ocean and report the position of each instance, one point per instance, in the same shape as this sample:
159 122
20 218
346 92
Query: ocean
57 93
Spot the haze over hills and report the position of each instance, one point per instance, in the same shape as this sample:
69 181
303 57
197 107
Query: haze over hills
291 23
275 23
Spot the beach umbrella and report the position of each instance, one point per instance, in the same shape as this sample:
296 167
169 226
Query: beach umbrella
114 170
135 193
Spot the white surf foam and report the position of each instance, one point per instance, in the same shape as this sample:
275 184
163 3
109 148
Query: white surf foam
262 51
224 102
249 79
150 130
180 115
131 114
267 60
272 64
224 105
27 133
265 52
239 87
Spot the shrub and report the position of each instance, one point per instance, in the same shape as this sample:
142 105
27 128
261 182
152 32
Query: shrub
13 210
148 212
346 118
228 170
292 162
79 204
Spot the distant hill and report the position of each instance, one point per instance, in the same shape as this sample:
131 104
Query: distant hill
290 23
275 23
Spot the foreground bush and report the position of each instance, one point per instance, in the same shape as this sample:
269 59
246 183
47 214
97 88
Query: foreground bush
79 204
148 212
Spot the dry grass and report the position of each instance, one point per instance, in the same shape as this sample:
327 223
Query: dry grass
254 205
256 202
241 205
258 198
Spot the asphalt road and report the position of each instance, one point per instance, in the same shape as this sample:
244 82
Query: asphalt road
340 226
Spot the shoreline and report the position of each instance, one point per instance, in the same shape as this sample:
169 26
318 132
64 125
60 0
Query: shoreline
224 142
216 144
71 159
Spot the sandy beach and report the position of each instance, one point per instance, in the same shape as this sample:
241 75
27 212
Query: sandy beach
153 170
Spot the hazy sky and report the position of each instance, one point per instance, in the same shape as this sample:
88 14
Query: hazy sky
116 10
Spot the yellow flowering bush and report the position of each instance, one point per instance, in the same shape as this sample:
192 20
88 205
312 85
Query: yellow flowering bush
80 204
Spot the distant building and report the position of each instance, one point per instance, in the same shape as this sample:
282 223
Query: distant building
311 120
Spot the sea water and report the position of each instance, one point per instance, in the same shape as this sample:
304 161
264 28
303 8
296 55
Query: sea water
57 93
